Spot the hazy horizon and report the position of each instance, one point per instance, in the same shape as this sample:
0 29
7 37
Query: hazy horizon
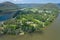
31 1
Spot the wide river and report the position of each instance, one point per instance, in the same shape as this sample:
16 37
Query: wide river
52 33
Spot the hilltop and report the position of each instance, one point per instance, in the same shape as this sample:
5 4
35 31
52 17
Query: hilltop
7 5
50 6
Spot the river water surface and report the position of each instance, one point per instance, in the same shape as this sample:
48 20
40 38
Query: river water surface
52 33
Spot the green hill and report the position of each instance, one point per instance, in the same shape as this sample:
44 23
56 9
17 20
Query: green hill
50 6
7 5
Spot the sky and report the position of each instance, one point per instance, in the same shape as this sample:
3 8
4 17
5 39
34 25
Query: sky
31 1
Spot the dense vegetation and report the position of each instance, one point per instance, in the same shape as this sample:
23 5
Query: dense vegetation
28 20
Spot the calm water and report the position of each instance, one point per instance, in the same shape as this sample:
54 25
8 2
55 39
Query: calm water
52 33
6 16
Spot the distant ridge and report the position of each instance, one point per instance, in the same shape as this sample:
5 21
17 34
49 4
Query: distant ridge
42 6
7 5
50 6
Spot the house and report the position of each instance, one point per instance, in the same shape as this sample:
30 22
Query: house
29 22
40 11
48 11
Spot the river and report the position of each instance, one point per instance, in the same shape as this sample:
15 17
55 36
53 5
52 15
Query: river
52 33
6 16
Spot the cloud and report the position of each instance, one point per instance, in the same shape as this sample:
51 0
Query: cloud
14 0
18 0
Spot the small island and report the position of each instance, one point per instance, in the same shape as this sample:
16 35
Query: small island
29 20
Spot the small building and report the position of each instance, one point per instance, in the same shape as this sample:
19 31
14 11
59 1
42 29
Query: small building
48 11
29 22
40 11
